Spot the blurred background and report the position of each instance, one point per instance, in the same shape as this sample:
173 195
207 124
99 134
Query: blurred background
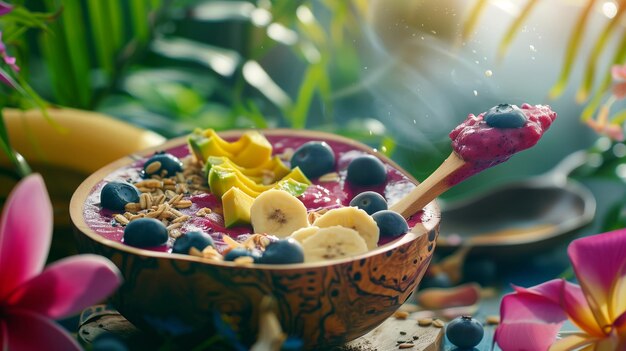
395 74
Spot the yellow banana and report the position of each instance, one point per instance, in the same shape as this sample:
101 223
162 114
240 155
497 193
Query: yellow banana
78 140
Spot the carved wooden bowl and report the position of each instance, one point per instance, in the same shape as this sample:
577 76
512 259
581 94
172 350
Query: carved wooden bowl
325 304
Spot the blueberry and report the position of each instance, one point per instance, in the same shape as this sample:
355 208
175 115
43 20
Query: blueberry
292 343
370 202
315 158
505 116
145 232
198 240
108 342
283 251
168 165
242 252
115 195
366 170
390 223
465 332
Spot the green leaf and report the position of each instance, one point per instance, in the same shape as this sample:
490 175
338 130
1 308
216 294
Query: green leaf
139 10
515 27
472 20
222 61
257 77
596 100
105 50
116 23
598 48
309 84
572 49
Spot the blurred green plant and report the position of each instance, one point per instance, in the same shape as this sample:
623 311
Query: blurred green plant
15 21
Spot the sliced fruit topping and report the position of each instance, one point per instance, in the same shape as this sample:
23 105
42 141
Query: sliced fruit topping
390 223
366 170
236 206
278 213
369 201
115 195
333 242
243 252
353 218
196 240
222 178
145 232
162 164
303 233
505 116
250 151
269 172
315 158
283 251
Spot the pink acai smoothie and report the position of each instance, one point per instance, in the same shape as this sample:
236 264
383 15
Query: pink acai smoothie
482 146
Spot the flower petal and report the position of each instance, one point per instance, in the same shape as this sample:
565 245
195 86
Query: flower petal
25 233
618 72
68 286
29 331
572 342
525 336
529 321
619 90
572 301
5 8
597 276
4 337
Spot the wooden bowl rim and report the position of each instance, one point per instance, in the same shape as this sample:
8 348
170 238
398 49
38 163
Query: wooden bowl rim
81 193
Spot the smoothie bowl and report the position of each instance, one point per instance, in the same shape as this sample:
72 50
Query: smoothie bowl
235 223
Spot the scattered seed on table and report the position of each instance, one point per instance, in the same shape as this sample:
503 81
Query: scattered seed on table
492 320
402 333
424 322
439 323
415 337
401 314
405 346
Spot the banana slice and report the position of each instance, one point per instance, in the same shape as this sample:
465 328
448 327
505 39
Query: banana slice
331 243
277 212
304 233
354 218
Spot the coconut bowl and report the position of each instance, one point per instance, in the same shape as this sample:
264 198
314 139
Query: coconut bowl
325 304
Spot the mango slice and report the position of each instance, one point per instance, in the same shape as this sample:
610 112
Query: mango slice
221 179
236 206
269 172
251 150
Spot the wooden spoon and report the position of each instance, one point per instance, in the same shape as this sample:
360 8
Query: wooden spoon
436 184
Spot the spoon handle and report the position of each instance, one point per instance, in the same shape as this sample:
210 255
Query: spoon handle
426 191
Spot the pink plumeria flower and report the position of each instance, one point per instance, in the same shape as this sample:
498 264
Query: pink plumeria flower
531 318
31 297
602 126
9 60
5 8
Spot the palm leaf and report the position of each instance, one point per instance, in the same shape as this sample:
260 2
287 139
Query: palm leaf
572 48
596 100
598 48
514 28
472 20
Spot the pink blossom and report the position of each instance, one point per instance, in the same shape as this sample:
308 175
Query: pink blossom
531 318
31 296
